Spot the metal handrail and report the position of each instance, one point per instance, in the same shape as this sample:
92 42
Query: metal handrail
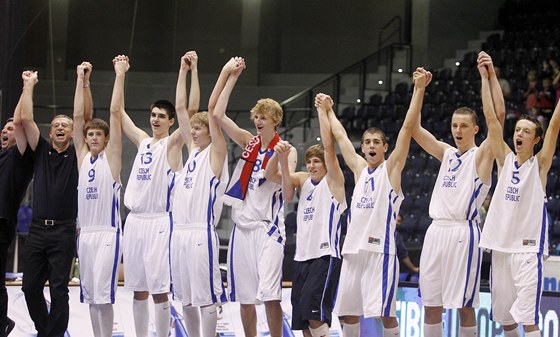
397 19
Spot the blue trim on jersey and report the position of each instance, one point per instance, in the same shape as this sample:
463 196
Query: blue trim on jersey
337 237
209 231
384 282
115 267
92 160
392 291
539 288
478 263
469 262
325 286
474 196
169 251
231 271
387 243
492 303
169 189
331 218
544 228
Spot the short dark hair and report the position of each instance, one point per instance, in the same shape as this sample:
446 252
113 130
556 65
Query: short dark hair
164 105
539 130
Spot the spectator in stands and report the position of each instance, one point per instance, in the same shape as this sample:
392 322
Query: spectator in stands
402 251
504 84
555 77
546 98
530 94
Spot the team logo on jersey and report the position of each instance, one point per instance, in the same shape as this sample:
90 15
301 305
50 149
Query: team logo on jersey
324 245
374 241
528 242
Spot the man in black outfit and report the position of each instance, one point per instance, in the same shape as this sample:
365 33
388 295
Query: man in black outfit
16 170
51 242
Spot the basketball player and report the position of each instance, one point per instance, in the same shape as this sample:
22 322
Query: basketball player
450 258
197 206
148 225
369 276
516 227
322 200
256 247
99 163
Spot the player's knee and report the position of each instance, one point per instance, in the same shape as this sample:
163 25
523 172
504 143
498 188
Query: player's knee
351 319
389 322
432 315
467 316
160 298
141 295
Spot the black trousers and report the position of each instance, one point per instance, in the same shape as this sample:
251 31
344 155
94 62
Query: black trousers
48 257
4 245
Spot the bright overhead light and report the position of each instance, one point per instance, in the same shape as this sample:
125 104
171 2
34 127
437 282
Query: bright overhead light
358 100
318 139
457 63
400 70
380 82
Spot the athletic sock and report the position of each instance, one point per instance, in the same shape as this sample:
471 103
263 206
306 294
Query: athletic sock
351 330
208 319
162 318
141 314
512 333
322 331
433 330
535 333
468 331
391 332
106 318
192 321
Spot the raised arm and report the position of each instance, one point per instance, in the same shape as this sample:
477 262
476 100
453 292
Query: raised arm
355 162
286 176
132 132
549 144
79 116
21 139
88 100
219 145
495 90
114 147
485 155
183 116
335 177
495 132
237 134
397 159
24 120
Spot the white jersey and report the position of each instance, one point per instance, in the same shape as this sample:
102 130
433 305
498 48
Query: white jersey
151 179
373 213
263 202
458 192
318 221
98 194
517 220
198 192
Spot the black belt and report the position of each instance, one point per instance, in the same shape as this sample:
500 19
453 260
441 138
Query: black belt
50 223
